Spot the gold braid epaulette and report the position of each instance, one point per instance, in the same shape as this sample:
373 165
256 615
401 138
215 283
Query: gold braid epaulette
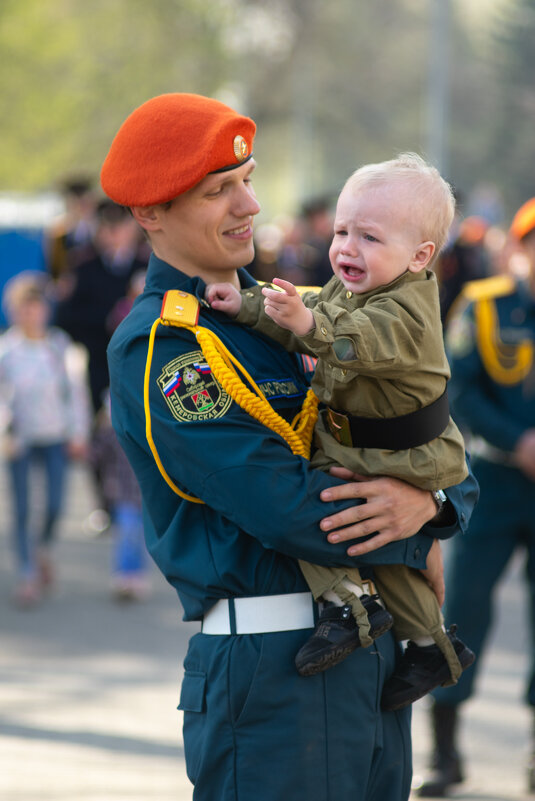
495 286
181 310
506 364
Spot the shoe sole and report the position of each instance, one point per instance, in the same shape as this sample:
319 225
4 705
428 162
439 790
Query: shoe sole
327 660
332 658
466 658
385 624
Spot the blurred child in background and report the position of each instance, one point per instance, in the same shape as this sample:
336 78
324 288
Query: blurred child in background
44 419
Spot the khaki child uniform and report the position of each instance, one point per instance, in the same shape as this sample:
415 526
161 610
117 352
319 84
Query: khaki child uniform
380 355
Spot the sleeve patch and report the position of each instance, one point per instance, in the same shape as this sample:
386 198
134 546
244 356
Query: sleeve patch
191 391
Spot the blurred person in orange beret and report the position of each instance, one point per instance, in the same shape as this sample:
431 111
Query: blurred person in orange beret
491 346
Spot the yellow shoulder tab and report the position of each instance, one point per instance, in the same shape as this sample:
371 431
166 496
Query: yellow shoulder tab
494 287
179 308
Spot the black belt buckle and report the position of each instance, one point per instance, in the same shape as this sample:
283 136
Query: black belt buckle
339 427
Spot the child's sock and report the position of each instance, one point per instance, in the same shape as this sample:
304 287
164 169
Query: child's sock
422 642
354 588
333 598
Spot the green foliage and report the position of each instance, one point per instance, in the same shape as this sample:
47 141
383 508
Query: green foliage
513 144
331 85
72 70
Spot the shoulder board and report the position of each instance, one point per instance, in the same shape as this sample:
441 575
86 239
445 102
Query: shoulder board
494 287
179 308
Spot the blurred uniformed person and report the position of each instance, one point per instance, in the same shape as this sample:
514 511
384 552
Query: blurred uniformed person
490 339
230 505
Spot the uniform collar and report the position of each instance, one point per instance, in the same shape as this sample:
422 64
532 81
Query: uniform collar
406 277
161 276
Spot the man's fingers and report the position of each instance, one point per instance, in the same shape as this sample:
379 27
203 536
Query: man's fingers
342 492
360 548
346 517
356 531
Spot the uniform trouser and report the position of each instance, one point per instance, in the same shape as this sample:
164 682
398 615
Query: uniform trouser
503 520
255 730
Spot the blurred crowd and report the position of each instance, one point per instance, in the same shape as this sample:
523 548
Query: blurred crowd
60 322
54 403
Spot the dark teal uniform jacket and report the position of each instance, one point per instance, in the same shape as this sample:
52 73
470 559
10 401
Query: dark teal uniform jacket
253 728
493 400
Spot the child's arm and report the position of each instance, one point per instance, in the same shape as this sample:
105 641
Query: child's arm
287 309
223 297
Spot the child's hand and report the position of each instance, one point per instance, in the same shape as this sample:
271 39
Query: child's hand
287 309
223 297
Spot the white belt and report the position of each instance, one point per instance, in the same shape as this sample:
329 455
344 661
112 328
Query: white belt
260 615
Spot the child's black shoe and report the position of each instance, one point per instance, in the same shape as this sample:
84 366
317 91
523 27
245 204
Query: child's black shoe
422 668
336 635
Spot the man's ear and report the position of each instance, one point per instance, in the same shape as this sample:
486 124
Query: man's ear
146 216
422 256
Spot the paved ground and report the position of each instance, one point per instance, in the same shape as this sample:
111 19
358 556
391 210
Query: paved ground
89 688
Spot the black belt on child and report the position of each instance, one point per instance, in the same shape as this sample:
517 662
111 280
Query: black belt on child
390 433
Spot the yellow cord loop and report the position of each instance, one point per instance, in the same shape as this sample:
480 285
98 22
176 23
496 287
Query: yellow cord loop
226 369
505 364
148 425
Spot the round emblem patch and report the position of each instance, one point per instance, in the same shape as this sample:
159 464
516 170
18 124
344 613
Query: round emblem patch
241 149
191 391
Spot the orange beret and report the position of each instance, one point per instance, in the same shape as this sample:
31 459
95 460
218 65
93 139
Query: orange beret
169 144
524 220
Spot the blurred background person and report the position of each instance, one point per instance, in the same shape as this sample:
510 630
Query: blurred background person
44 405
465 259
296 248
491 343
318 218
129 580
98 281
75 228
119 487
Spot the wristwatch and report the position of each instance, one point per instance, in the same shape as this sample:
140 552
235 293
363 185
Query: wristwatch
439 497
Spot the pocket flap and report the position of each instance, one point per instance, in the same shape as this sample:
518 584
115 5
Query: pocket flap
192 692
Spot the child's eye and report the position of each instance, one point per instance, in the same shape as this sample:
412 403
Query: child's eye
341 232
370 238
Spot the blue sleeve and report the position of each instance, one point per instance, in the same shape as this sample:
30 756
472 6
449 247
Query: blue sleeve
248 474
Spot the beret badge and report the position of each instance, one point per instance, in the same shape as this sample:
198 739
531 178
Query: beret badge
241 150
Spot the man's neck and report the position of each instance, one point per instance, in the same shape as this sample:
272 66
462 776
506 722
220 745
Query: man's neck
208 275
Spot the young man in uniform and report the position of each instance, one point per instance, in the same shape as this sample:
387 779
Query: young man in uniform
228 506
491 344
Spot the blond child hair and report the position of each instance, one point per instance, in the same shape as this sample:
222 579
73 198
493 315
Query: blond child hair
430 203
